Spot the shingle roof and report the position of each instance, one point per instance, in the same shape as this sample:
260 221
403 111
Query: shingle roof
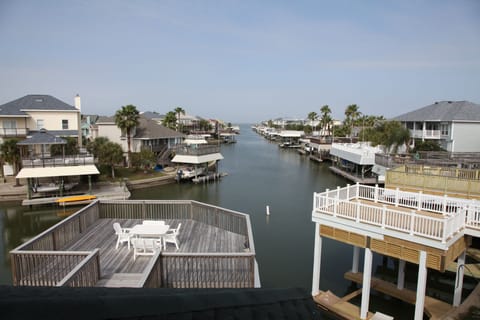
33 102
126 303
42 137
444 111
150 129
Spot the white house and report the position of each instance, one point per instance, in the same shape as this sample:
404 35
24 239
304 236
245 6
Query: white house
24 116
454 125
148 134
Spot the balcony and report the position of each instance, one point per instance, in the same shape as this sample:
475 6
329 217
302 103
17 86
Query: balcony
436 221
426 134
13 132
46 161
196 150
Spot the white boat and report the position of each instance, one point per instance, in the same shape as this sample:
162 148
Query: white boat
189 173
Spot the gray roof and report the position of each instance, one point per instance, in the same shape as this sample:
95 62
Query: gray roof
33 102
42 137
150 129
444 111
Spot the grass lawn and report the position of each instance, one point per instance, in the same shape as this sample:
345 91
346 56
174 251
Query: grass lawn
130 174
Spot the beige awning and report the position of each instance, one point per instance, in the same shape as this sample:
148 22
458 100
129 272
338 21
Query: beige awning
57 171
197 159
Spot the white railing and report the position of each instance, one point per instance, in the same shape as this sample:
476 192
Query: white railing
454 214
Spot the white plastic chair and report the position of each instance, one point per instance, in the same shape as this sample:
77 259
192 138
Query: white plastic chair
123 235
145 247
171 236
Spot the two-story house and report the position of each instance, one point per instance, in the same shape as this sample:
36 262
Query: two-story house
455 125
148 134
24 116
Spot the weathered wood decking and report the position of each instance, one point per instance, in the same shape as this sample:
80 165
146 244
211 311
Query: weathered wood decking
194 237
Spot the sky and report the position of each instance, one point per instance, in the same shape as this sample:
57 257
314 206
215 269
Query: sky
242 61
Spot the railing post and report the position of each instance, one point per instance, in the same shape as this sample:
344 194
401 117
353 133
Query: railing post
419 204
396 196
314 201
375 194
444 231
357 192
357 218
384 212
444 206
338 192
335 205
348 191
412 222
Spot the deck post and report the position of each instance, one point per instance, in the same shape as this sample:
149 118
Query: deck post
356 259
367 277
317 257
396 196
421 284
348 192
419 206
457 297
375 195
357 192
401 274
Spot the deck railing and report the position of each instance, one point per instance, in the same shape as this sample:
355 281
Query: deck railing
179 209
39 261
196 150
85 274
39 161
449 215
43 268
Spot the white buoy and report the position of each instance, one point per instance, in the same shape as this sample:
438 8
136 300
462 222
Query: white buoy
268 210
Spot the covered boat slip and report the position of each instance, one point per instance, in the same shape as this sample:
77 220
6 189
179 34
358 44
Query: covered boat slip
43 174
215 249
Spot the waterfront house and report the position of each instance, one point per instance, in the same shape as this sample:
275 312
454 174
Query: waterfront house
428 230
354 161
215 249
148 134
454 125
24 116
195 158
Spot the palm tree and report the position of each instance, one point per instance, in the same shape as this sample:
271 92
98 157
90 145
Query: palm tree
312 116
170 120
126 119
179 111
326 118
11 154
351 114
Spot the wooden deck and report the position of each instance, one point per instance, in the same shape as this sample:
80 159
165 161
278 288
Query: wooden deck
117 265
352 177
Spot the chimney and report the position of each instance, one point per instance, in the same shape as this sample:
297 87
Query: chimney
78 104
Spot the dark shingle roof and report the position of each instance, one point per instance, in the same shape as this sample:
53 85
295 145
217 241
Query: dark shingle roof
127 303
42 137
444 111
33 102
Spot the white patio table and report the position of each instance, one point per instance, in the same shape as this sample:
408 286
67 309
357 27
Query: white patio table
150 231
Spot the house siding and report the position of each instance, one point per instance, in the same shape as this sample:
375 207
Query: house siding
465 136
53 120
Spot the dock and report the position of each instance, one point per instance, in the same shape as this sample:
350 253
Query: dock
209 177
353 177
434 308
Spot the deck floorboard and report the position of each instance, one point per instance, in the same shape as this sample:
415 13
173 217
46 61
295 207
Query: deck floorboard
194 237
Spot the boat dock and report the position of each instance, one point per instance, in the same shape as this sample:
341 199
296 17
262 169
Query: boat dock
352 177
209 177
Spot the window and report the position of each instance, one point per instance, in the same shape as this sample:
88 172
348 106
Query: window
444 129
64 124
40 124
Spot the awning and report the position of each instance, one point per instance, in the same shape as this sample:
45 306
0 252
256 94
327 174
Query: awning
57 171
197 159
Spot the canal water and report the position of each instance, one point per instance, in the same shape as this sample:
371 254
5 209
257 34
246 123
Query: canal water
260 174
